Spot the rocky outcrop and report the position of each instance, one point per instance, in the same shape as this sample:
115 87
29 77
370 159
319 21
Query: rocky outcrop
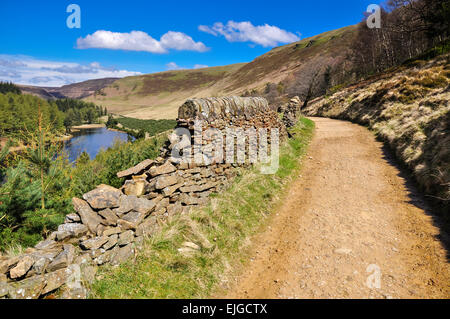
110 224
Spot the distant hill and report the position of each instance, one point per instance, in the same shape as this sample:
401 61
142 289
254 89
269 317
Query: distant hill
41 92
74 91
158 96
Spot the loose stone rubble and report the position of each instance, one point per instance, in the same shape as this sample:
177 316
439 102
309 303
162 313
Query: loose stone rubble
109 224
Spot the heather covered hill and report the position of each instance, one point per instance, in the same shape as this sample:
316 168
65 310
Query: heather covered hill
280 64
156 96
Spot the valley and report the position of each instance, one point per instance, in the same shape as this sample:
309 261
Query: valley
122 186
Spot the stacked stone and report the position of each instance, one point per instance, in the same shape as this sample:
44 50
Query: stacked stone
103 230
175 187
233 113
110 224
291 111
45 268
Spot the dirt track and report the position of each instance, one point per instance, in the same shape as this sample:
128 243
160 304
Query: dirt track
347 218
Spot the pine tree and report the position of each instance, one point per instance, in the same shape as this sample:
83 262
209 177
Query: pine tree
3 154
40 153
6 87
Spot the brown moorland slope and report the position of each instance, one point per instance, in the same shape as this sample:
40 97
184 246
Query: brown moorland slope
158 95
281 63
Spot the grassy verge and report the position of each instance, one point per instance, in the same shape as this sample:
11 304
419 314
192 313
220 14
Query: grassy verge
222 230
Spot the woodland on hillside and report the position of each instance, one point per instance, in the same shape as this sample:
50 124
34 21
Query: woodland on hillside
409 28
6 87
140 128
19 113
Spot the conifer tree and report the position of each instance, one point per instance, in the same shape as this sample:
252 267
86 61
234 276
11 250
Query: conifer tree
40 153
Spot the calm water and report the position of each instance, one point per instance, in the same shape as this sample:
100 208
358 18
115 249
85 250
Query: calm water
91 141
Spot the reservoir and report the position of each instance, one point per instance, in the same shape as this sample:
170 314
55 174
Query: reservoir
91 141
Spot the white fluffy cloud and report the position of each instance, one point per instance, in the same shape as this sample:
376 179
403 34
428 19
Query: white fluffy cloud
265 35
181 42
140 41
30 71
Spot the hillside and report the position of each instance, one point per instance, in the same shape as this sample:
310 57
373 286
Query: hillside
156 96
73 91
41 92
281 63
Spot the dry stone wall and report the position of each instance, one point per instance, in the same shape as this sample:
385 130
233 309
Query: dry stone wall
109 225
238 112
291 111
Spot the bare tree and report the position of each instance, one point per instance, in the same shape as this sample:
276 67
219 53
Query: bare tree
313 79
409 28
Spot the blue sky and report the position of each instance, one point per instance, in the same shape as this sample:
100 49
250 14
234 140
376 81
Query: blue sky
38 48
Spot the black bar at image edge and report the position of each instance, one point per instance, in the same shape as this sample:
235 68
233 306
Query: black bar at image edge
224 308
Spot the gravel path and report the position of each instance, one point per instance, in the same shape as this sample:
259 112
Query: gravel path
349 228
